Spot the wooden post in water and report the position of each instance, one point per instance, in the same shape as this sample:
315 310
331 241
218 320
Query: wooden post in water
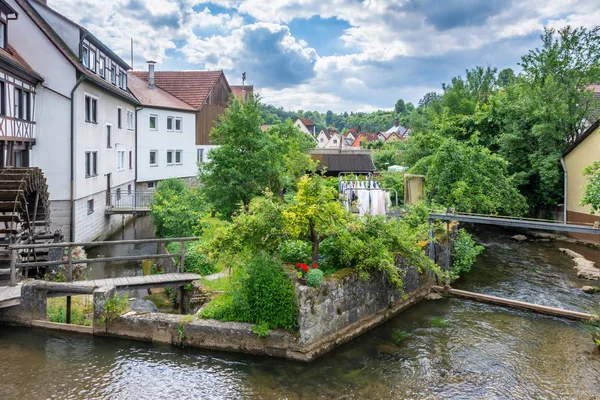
69 279
447 260
181 300
13 269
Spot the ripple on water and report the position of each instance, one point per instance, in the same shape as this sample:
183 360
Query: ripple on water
483 351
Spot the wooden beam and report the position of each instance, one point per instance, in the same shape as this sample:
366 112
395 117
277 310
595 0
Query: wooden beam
483 298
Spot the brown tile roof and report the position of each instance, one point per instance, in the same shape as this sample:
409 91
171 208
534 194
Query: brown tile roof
308 122
365 137
68 53
242 91
191 87
156 97
14 60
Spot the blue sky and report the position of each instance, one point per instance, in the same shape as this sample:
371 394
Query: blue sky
342 55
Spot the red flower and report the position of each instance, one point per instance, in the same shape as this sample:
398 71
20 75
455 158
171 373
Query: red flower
298 265
305 268
315 266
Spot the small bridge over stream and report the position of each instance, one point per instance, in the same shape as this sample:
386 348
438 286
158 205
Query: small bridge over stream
12 295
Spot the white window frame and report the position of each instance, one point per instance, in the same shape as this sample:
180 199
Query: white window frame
121 160
102 67
155 158
180 154
93 116
92 55
90 206
109 136
172 154
130 122
155 122
85 55
171 120
199 156
180 120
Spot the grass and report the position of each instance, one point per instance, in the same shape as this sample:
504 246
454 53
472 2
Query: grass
219 285
160 299
82 309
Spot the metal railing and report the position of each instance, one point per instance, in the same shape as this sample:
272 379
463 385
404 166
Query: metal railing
135 200
16 263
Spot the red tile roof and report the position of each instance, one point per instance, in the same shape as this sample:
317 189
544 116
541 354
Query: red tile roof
352 130
191 87
242 91
308 122
156 97
365 137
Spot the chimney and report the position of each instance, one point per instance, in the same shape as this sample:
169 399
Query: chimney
151 74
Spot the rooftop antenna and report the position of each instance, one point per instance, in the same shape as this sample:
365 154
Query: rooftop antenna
131 53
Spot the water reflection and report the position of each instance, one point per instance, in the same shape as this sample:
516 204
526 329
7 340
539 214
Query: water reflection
483 352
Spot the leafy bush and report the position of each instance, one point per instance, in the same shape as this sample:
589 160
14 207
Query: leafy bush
261 330
114 307
177 210
464 253
314 277
294 251
196 261
262 294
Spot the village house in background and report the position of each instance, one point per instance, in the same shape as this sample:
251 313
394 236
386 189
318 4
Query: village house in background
170 152
307 126
166 134
396 133
84 138
582 153
244 92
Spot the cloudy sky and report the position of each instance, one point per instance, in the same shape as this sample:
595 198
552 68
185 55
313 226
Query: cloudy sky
343 55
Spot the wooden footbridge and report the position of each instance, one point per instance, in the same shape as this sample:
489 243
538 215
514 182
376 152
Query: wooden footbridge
11 295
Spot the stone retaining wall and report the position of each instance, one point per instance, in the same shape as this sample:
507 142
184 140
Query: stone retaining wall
341 309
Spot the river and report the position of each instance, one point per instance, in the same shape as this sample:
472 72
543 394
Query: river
456 349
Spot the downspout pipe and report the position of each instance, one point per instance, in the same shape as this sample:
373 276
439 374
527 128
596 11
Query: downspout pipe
564 167
137 109
72 188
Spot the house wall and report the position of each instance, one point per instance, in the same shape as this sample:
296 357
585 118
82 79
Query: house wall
162 141
322 140
41 54
92 137
68 32
211 111
580 157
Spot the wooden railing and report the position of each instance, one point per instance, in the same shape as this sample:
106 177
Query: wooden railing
16 264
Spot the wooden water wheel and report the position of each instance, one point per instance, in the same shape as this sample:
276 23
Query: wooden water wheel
24 212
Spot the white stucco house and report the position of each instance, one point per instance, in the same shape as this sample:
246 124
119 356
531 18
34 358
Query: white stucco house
85 118
166 134
307 126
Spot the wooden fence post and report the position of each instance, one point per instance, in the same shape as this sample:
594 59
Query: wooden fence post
182 258
69 263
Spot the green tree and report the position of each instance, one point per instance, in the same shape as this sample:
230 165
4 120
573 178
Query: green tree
314 213
471 179
400 107
591 196
329 118
506 77
248 161
177 210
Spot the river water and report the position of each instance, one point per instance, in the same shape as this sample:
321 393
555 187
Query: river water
456 349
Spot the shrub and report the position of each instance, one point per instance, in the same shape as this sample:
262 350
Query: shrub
177 210
114 307
262 294
464 253
196 261
294 251
314 277
261 330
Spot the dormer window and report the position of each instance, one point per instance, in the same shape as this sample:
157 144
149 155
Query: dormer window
113 75
101 70
123 81
85 56
93 60
2 35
